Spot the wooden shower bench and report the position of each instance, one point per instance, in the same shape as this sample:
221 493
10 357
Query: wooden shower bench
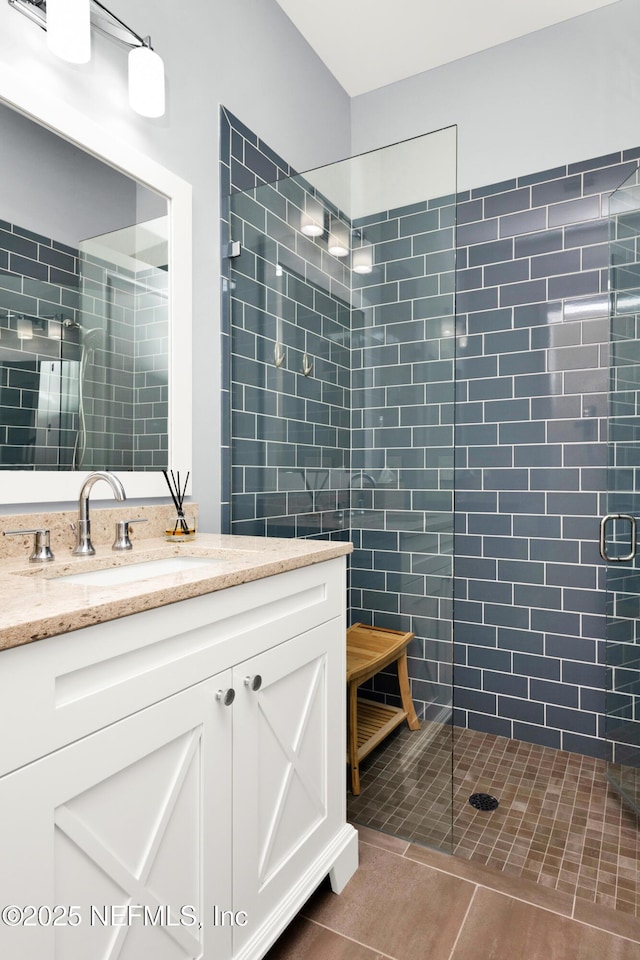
369 650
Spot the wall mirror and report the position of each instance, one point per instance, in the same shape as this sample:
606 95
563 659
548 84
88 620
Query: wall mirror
95 306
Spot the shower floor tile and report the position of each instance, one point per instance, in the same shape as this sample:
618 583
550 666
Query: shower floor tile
558 823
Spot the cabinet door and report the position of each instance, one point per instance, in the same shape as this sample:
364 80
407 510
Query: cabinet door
136 814
288 770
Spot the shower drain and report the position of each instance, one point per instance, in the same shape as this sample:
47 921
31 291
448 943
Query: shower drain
483 801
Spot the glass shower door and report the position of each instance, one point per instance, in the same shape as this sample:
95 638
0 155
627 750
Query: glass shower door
618 540
342 346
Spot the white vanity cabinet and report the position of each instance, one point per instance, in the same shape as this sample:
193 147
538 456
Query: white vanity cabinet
138 813
284 789
177 824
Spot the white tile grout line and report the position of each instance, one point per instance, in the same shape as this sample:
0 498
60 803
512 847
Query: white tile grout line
373 950
589 767
372 843
464 920
530 903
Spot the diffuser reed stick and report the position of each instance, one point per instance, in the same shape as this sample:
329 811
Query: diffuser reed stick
177 495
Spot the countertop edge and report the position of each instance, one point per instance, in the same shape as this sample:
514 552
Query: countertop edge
38 608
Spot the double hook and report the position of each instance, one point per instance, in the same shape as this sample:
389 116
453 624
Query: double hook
279 356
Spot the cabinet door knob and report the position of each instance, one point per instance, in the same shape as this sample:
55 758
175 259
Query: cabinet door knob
254 683
226 696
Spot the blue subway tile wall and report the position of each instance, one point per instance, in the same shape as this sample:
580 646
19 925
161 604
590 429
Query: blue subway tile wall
67 315
106 315
151 369
242 161
531 454
362 449
529 400
289 323
402 409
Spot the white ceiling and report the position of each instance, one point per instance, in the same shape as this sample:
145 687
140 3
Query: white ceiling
369 43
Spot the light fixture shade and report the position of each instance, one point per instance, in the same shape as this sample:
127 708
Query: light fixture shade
25 328
69 29
338 244
55 329
362 259
146 82
312 220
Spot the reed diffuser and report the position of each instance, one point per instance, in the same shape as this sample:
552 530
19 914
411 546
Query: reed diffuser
184 527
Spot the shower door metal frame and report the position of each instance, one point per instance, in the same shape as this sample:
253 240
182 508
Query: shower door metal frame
618 528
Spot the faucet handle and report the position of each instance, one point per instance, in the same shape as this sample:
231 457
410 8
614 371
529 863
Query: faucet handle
41 543
122 541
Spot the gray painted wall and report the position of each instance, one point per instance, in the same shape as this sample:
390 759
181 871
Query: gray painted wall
51 187
246 55
553 97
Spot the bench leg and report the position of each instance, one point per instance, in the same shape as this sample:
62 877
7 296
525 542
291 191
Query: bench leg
405 692
352 738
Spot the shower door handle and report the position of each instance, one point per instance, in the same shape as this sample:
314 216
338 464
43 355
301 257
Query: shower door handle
603 537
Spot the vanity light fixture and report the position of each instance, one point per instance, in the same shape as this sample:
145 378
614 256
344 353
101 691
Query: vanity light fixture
146 80
24 328
55 329
312 219
362 259
338 244
69 29
68 25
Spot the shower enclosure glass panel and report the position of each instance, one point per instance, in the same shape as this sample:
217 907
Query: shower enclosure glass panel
121 346
618 539
342 303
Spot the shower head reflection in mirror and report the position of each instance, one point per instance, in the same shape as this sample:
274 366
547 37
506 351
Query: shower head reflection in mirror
90 340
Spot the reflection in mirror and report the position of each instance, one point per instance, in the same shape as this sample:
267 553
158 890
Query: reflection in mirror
84 286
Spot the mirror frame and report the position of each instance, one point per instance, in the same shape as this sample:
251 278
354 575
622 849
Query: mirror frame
47 486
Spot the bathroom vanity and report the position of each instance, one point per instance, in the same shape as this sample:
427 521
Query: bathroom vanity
172 777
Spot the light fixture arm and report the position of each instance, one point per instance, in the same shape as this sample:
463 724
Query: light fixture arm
114 26
32 9
102 19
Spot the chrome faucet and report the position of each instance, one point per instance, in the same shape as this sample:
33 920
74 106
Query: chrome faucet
84 547
366 480
361 481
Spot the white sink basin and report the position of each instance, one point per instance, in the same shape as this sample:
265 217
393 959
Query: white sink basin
129 572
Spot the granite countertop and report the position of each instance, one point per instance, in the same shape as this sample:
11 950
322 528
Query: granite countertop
37 605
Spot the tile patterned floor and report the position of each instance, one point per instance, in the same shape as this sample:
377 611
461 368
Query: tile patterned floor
406 786
558 825
406 902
